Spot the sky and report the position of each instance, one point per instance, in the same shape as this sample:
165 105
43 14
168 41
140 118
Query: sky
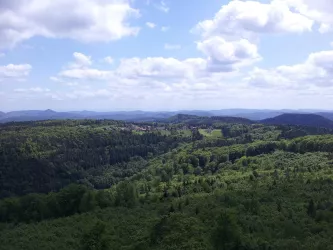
108 55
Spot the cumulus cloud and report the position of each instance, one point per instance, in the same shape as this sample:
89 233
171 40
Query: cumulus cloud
150 25
14 71
168 46
317 70
160 67
152 78
80 69
320 11
83 20
219 56
81 60
226 46
246 17
225 56
90 74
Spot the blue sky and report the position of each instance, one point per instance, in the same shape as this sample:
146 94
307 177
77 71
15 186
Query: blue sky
165 55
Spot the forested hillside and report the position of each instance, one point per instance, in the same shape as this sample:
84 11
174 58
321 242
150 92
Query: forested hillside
300 119
46 156
215 184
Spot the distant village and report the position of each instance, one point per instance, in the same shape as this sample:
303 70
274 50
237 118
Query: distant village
147 128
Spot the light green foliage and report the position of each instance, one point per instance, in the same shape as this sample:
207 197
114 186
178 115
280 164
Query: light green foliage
214 133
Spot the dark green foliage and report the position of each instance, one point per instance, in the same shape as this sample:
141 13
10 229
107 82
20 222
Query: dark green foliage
35 207
95 238
126 194
227 233
179 231
47 156
311 209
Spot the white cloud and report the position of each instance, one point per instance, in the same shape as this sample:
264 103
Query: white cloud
262 78
82 20
14 71
152 78
220 57
325 28
81 61
150 25
168 46
162 6
226 56
92 74
109 60
32 90
165 28
227 45
319 11
159 67
62 81
80 69
317 71
244 18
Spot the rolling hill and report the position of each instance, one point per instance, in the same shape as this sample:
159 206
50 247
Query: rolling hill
313 120
223 115
327 115
196 120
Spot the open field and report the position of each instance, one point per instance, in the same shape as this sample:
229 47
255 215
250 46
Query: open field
213 133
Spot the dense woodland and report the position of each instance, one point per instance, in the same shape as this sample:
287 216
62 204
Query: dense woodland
221 184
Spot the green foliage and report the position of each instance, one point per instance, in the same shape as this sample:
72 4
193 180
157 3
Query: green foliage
179 231
40 157
95 238
227 233
258 187
126 194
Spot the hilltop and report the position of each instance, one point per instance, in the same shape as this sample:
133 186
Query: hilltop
152 116
313 120
195 120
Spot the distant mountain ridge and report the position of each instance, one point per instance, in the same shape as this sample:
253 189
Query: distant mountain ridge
292 117
196 120
312 120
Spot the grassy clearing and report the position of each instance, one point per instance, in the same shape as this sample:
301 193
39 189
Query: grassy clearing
214 133
185 133
165 132
138 132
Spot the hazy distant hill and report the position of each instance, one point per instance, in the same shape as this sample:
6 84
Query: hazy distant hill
313 120
326 115
256 116
193 119
138 115
36 115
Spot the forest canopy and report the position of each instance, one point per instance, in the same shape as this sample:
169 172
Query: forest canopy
113 185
